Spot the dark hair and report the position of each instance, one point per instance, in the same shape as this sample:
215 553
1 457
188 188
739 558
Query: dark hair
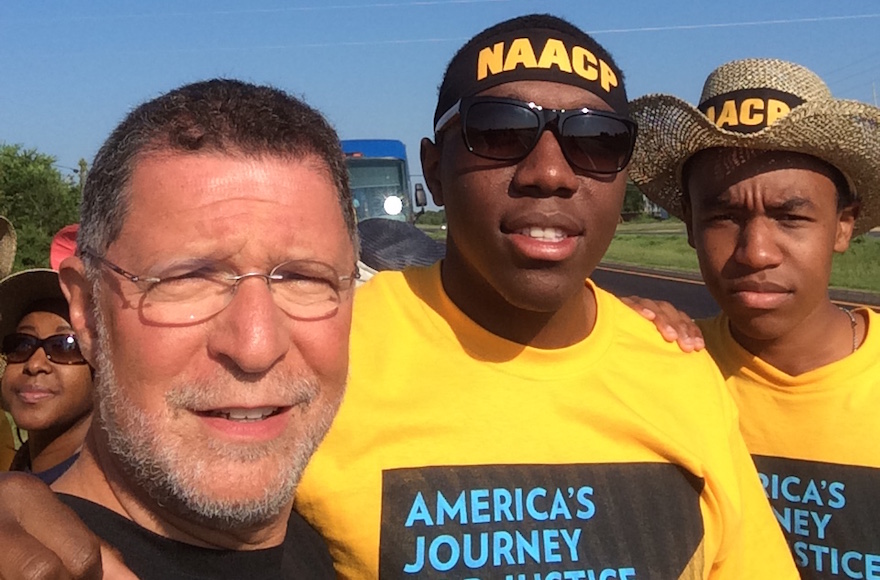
546 21
219 115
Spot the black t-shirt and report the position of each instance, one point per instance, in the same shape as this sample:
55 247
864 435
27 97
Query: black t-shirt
303 554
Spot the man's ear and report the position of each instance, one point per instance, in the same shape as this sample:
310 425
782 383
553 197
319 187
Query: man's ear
430 153
846 223
78 292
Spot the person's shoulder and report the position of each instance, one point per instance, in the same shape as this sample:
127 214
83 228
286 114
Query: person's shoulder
392 289
713 325
633 330
381 283
873 318
638 348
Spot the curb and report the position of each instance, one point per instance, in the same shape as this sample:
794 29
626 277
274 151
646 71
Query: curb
850 297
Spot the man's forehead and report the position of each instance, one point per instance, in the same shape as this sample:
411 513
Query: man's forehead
215 171
209 197
548 94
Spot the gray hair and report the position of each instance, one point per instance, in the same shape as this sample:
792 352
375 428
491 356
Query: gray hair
219 115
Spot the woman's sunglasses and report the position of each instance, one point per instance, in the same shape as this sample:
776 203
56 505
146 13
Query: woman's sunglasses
59 348
507 130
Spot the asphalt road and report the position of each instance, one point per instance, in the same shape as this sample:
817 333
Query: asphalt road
687 295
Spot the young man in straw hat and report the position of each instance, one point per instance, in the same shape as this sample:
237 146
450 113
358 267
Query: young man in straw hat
773 176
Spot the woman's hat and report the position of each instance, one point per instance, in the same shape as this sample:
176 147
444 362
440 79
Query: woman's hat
763 104
22 289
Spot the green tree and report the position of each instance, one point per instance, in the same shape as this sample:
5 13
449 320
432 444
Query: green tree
633 201
38 201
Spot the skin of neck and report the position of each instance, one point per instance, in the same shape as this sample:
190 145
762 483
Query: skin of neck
98 477
564 326
823 337
50 447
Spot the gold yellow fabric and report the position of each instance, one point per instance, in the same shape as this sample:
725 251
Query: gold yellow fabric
458 454
815 438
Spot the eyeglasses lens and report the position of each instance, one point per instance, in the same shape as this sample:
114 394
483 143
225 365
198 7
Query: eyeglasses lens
500 131
509 131
596 143
304 290
59 348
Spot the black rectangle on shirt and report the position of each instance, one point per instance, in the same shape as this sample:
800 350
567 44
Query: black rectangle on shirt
639 520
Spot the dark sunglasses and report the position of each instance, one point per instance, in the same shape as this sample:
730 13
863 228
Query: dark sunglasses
507 130
59 348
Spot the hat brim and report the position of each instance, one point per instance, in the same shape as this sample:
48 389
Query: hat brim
843 133
20 290
394 245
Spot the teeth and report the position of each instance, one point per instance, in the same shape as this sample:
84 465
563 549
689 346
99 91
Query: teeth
255 414
550 234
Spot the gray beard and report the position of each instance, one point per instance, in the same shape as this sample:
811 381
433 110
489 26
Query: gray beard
171 470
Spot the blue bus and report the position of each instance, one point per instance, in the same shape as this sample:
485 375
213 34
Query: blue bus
380 183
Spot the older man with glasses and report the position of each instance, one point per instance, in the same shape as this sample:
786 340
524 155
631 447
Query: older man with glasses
213 295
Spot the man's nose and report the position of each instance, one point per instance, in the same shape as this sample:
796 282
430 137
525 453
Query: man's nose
545 171
252 332
757 246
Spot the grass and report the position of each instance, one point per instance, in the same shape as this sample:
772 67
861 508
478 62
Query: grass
434 232
670 252
859 266
642 245
651 243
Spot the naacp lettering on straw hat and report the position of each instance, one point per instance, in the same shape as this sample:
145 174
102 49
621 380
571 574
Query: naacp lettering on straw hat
765 104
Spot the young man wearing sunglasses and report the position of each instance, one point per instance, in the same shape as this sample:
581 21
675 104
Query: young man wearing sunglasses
526 423
46 384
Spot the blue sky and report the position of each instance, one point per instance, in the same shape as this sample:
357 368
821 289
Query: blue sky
70 70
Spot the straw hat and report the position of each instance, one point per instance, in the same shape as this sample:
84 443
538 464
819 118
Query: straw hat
7 246
758 104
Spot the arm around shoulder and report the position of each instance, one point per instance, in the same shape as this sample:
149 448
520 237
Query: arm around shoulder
43 538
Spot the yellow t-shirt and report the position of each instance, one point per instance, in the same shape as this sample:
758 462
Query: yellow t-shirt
7 443
458 454
815 439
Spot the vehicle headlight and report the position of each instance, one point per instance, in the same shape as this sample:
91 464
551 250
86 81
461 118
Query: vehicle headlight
393 205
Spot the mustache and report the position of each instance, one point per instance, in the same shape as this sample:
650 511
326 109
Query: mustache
281 388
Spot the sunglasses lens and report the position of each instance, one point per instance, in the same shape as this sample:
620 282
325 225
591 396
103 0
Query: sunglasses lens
502 131
63 349
596 143
60 348
17 348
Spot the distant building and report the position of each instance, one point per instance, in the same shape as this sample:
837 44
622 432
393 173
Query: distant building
654 210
